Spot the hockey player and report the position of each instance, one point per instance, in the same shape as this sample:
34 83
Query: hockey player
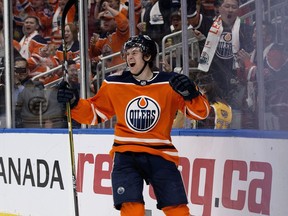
145 103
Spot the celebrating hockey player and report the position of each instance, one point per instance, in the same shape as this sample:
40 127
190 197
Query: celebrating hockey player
144 102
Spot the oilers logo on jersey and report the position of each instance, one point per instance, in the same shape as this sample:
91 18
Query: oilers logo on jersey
142 113
224 48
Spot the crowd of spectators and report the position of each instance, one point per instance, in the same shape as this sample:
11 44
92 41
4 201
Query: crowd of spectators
37 38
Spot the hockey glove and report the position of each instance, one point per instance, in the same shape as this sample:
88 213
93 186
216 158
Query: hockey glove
184 86
66 94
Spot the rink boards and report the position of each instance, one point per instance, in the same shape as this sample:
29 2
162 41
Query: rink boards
225 172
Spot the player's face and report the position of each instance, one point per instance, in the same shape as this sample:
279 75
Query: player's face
134 59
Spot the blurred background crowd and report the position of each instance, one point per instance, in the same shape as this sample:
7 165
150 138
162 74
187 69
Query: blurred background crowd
231 81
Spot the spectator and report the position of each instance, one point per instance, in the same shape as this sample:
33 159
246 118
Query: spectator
21 76
2 69
73 74
115 4
56 21
31 43
116 27
72 44
166 63
176 26
156 20
35 106
216 9
176 23
120 5
24 8
176 5
16 45
30 105
275 78
225 36
207 8
46 61
19 14
48 58
220 115
44 13
53 4
142 150
93 20
74 82
137 11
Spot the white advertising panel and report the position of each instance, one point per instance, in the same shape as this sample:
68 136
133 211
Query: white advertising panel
222 175
35 174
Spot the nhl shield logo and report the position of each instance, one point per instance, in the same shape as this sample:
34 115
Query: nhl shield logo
142 113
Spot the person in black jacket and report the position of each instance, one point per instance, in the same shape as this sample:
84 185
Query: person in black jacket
225 36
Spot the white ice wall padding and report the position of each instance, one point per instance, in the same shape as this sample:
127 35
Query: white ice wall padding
231 175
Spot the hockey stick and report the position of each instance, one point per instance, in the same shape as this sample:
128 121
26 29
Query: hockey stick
67 7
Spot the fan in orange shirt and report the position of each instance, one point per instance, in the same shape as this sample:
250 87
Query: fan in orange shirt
116 27
31 44
72 44
56 21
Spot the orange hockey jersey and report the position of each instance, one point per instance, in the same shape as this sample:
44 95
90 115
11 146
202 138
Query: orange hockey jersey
144 109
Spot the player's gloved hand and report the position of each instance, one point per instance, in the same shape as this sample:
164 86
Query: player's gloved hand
184 86
66 94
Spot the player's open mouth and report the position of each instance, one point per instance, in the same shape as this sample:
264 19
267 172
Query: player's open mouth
132 64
